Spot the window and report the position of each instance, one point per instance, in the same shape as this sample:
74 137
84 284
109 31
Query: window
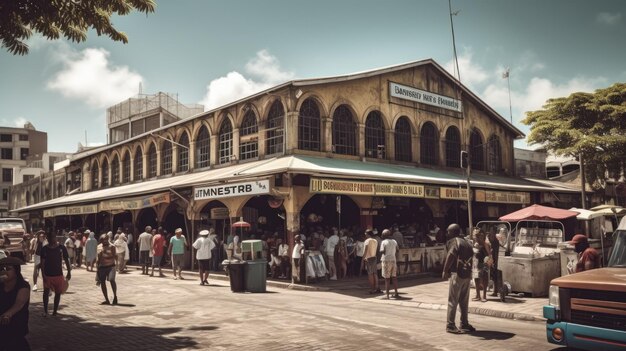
94 176
374 135
429 145
476 151
275 129
7 175
105 173
6 153
203 156
309 126
166 158
23 137
138 174
225 146
126 168
403 140
5 194
494 154
6 138
453 147
248 142
344 132
24 153
183 153
152 161
115 171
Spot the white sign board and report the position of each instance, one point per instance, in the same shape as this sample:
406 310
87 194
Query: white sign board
412 94
230 190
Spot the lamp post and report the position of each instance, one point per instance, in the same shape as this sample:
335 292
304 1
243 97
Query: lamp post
506 75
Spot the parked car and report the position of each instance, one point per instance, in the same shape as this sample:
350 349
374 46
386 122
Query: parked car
12 231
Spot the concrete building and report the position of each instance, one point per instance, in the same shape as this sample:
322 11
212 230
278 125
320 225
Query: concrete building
530 163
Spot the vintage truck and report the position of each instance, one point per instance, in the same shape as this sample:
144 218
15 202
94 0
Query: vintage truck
12 232
587 310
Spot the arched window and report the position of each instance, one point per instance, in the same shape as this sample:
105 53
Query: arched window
374 135
453 147
275 129
183 153
494 154
203 142
309 126
166 157
225 147
105 173
95 172
429 143
152 161
138 164
126 168
344 132
248 142
402 139
115 171
476 149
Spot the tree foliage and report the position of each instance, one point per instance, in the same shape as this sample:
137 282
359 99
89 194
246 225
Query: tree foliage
19 19
589 124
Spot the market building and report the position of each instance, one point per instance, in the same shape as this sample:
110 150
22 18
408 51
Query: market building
371 149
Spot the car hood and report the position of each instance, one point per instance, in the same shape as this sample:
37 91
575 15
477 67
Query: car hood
611 279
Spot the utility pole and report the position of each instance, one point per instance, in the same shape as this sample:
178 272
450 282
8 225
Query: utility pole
583 182
506 75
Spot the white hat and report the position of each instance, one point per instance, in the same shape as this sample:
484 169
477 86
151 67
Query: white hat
178 230
87 231
204 232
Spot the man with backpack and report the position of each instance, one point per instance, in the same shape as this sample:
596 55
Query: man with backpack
458 268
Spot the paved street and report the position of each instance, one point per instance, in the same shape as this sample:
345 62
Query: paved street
164 314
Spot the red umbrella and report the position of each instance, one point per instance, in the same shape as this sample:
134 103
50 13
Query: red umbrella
241 224
538 212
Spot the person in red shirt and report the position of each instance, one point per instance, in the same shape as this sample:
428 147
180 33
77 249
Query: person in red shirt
158 244
588 257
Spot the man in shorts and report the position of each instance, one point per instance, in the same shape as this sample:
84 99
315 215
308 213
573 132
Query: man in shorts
106 268
36 245
52 272
203 246
158 248
389 250
145 245
369 261
178 243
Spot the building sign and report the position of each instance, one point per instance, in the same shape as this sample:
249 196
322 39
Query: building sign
79 210
503 197
431 192
53 212
230 190
453 193
412 94
331 186
220 213
135 203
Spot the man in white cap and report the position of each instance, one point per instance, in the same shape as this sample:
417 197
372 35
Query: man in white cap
203 246
178 243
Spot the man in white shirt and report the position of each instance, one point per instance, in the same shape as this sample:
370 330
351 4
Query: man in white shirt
369 261
298 250
332 242
389 250
203 246
283 253
145 246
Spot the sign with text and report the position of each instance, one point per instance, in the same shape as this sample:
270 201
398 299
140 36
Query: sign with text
135 203
53 212
229 190
425 97
431 192
79 210
503 197
453 193
331 186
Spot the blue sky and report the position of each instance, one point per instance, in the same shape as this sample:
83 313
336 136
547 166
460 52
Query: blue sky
212 52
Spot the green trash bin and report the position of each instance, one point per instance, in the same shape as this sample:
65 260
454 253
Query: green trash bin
256 276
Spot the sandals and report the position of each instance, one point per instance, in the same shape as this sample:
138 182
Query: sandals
476 299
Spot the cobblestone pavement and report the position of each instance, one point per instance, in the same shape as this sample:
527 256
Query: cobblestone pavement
166 314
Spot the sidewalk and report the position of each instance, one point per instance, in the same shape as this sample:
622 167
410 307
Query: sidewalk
424 291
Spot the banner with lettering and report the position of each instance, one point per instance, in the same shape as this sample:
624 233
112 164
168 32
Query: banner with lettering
229 190
135 203
332 186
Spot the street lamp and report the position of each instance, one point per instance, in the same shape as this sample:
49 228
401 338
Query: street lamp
505 75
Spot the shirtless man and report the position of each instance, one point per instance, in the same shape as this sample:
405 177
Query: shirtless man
106 268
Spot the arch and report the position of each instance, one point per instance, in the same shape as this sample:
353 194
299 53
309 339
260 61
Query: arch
225 146
105 172
151 157
138 164
344 131
309 126
126 167
248 134
95 173
453 147
375 135
403 140
275 131
203 147
183 152
115 170
166 157
494 154
429 142
477 150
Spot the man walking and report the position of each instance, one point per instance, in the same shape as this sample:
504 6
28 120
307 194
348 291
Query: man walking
158 248
389 250
52 255
203 246
106 268
369 261
332 242
178 243
145 245
458 267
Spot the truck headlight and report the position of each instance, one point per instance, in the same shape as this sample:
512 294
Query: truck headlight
553 296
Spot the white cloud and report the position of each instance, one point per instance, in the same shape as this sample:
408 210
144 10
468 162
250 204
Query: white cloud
17 122
609 18
472 74
88 75
265 72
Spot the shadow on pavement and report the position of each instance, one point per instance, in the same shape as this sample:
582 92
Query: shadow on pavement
492 335
207 327
125 305
68 332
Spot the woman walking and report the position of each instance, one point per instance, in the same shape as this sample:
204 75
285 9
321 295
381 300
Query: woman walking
483 260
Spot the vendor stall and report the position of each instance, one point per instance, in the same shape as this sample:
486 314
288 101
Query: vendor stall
415 260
